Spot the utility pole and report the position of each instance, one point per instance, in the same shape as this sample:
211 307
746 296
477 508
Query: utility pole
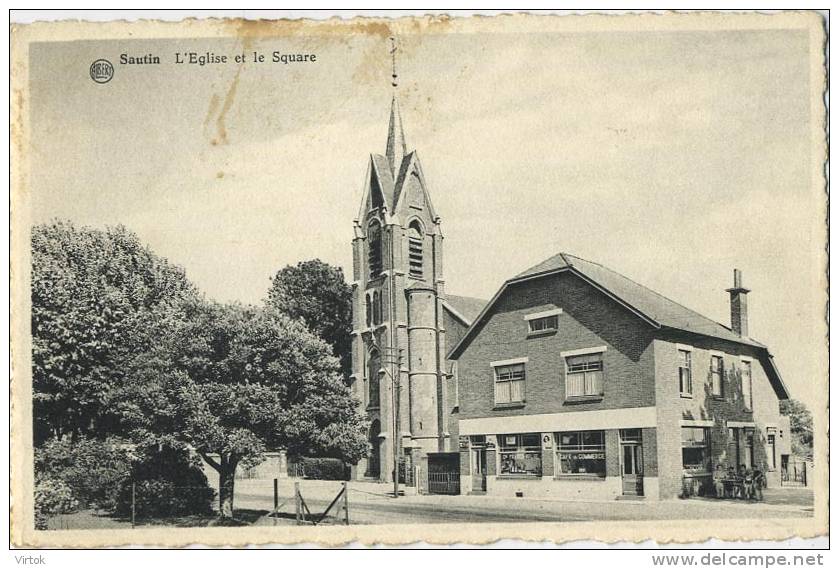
394 360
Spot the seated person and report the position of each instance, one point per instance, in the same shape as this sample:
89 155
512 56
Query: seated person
719 484
731 483
739 487
748 483
758 483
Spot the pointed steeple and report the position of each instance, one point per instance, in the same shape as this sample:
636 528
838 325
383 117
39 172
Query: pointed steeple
396 148
395 135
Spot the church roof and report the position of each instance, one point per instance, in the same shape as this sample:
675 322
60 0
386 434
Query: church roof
656 309
466 308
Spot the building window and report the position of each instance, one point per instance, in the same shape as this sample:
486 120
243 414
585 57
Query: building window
369 306
696 449
456 383
584 375
374 366
717 374
544 324
374 249
509 383
520 454
734 447
770 444
749 447
685 380
376 315
582 453
415 242
746 383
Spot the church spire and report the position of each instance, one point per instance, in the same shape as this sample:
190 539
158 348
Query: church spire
396 148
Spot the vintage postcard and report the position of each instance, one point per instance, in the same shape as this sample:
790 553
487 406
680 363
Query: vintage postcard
447 279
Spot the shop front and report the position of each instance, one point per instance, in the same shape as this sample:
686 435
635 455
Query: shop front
576 465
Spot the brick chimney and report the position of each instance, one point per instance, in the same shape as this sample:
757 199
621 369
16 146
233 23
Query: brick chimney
739 306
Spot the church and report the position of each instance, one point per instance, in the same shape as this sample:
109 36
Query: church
404 322
572 382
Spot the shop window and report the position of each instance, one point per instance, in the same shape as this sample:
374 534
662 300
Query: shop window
582 453
696 449
509 383
520 455
717 374
584 375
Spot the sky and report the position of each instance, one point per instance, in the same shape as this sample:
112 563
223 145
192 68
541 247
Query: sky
671 157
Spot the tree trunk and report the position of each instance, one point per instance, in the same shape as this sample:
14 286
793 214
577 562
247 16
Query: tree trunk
226 468
226 483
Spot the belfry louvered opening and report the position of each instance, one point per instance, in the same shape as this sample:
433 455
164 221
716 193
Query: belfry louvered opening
415 243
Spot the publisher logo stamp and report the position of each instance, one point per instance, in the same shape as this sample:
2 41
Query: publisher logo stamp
101 71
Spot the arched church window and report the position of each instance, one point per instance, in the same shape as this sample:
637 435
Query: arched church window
415 242
381 308
369 307
374 367
375 308
374 248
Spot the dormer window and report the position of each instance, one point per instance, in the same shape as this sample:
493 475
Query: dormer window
543 322
415 243
374 249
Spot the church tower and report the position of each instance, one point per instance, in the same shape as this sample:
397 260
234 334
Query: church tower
399 346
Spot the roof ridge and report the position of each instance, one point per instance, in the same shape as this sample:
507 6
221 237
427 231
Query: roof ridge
658 294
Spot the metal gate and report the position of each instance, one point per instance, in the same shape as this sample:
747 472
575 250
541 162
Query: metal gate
443 473
444 482
793 473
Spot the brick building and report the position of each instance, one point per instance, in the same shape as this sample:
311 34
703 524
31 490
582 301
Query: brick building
573 381
576 382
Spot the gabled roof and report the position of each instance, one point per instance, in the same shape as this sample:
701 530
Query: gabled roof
657 310
464 308
384 178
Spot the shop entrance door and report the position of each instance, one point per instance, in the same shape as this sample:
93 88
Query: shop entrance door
479 470
632 462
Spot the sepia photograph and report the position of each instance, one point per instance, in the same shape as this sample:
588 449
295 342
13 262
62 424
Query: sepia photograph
440 278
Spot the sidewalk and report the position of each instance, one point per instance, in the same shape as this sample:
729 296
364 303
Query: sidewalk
372 503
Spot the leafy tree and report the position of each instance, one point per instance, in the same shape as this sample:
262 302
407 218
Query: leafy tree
95 296
232 381
316 292
801 425
94 469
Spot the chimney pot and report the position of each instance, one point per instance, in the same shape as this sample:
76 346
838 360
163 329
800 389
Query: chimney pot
739 306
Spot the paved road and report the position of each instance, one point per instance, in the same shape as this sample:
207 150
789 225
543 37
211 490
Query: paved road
370 504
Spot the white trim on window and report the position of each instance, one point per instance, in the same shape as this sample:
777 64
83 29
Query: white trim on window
543 314
746 359
717 353
697 423
684 347
508 362
582 352
740 424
